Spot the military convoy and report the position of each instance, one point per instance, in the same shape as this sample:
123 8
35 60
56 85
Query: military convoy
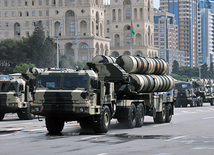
194 92
14 97
184 95
126 89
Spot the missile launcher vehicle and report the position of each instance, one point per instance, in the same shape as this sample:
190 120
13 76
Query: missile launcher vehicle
15 97
106 88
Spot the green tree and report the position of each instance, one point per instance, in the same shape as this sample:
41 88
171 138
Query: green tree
175 67
211 71
22 68
204 71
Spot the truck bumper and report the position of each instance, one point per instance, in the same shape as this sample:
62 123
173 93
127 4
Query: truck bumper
66 111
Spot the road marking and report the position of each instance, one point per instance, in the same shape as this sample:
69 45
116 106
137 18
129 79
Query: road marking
208 118
6 135
91 137
175 138
161 125
102 154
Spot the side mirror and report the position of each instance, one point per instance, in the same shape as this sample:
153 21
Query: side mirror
94 83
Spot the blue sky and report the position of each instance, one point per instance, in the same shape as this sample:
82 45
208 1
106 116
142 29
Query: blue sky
156 3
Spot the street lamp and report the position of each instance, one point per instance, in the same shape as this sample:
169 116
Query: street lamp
75 43
57 46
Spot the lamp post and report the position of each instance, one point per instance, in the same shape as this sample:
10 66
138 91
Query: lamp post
57 46
75 43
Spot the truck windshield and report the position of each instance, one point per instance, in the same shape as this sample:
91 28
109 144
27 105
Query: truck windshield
75 81
182 86
49 81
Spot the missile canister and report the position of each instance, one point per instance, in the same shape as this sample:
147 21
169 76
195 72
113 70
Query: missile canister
103 59
141 65
151 83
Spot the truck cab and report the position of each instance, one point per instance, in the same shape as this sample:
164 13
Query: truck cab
184 94
15 98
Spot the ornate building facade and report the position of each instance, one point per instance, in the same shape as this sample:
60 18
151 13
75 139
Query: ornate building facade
84 28
118 16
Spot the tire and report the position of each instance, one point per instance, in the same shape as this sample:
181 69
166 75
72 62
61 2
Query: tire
168 113
160 116
212 102
25 114
131 117
1 116
140 113
103 121
54 125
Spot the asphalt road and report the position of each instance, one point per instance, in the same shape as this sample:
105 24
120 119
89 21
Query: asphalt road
191 132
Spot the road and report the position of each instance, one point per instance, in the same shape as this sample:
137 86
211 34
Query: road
190 132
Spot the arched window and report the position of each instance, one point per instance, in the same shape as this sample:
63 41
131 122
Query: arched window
113 15
128 39
119 15
60 2
83 27
128 13
70 25
141 13
138 39
84 46
117 40
71 14
17 30
135 13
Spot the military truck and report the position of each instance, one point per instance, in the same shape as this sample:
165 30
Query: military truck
204 89
127 91
184 95
14 97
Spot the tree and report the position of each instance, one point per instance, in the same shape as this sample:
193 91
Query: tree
204 71
211 71
22 68
175 67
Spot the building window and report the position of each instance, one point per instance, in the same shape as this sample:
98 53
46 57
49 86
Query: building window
84 46
107 22
40 12
72 28
12 2
33 3
0 14
13 14
107 30
47 12
27 23
47 2
47 22
33 13
48 33
5 3
27 13
128 14
84 58
20 2
25 3
40 2
20 14
27 34
6 14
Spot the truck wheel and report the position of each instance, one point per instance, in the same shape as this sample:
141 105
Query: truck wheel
140 115
131 119
212 102
160 116
103 122
25 114
168 113
1 116
54 125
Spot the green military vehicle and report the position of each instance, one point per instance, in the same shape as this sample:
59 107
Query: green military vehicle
14 97
102 91
204 88
184 95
